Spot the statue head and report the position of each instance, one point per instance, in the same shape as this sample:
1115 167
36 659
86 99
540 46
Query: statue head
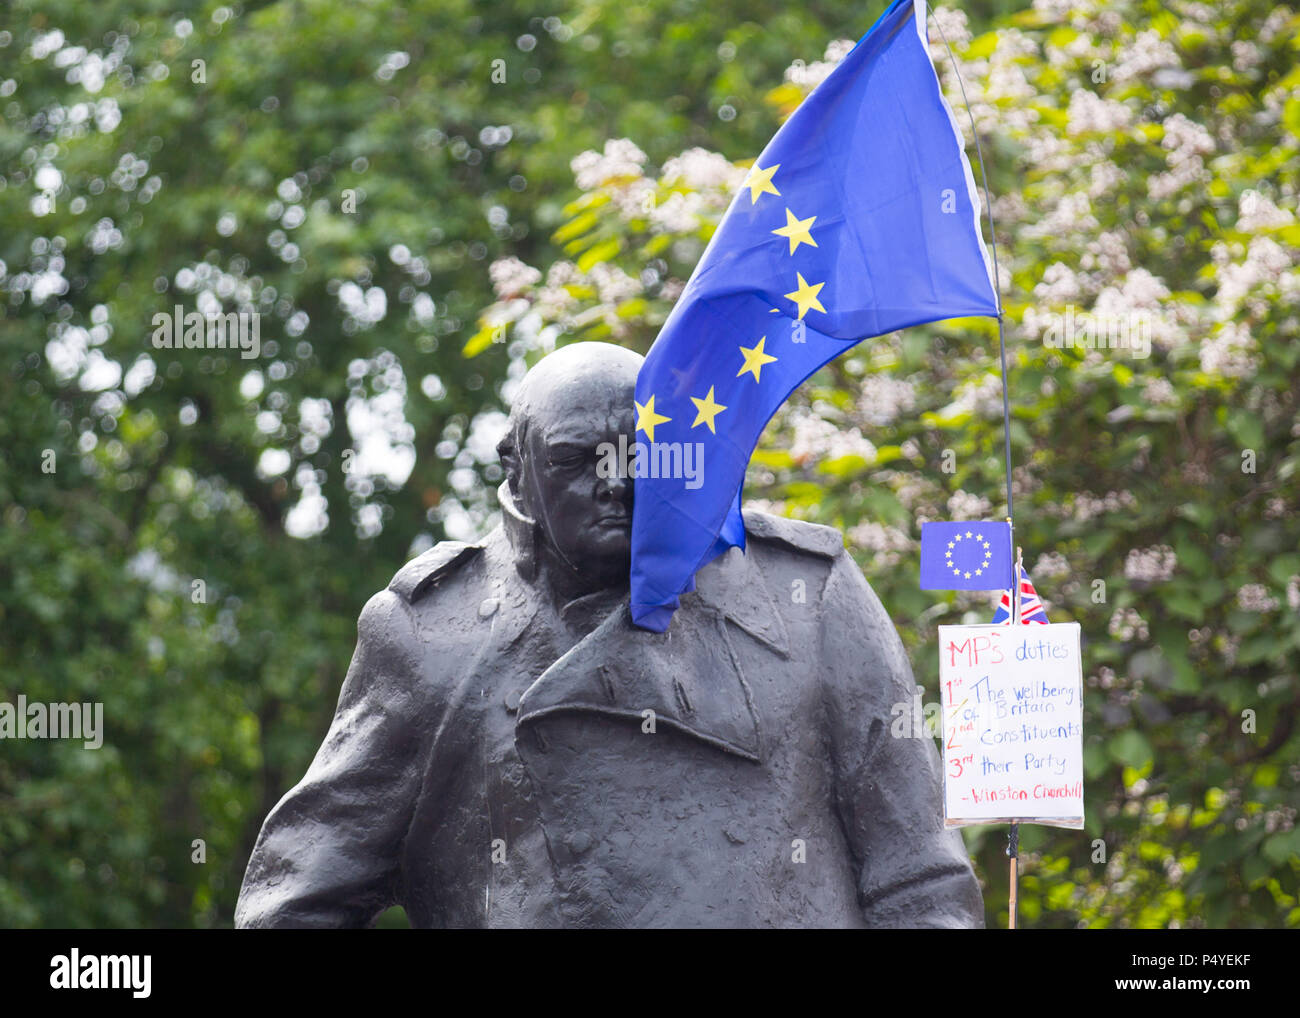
569 520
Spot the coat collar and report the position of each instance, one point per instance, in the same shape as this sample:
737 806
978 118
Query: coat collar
690 677
731 585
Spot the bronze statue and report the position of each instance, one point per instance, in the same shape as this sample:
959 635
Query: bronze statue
510 751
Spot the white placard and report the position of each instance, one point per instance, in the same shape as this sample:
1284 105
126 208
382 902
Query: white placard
1012 724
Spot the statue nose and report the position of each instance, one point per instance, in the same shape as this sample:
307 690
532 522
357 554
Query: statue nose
613 489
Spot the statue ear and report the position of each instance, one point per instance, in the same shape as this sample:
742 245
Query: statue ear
510 463
511 452
521 531
517 514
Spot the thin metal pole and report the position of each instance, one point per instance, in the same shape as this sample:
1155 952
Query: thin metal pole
1013 836
997 280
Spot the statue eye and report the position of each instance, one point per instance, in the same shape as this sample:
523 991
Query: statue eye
569 460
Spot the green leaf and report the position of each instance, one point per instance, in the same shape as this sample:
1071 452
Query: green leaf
576 227
602 252
1130 748
481 340
1247 428
1181 603
1281 848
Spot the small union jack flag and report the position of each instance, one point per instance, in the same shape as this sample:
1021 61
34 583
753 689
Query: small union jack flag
1031 608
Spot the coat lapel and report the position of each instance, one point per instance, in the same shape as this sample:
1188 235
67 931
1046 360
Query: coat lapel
689 677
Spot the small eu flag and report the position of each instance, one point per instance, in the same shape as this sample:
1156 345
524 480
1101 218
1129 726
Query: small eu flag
860 217
965 556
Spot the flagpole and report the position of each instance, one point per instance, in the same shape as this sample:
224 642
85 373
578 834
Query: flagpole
997 278
1013 835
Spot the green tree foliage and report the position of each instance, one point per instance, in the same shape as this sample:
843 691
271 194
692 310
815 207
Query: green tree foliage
348 170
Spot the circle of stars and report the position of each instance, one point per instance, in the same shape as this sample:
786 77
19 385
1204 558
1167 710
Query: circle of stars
978 539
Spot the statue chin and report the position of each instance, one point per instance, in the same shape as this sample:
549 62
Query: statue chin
603 561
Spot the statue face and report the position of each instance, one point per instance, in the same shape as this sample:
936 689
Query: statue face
587 519
576 400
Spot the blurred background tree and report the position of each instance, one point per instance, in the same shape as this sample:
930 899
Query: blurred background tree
421 198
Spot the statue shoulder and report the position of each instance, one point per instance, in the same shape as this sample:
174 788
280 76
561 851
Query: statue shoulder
419 576
813 538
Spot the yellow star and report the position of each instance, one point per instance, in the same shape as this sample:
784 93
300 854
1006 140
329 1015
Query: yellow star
796 230
755 358
646 418
706 410
806 296
760 182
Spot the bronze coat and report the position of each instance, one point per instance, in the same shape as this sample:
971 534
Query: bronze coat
495 762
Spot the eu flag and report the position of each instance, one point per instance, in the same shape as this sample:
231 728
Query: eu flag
965 556
860 217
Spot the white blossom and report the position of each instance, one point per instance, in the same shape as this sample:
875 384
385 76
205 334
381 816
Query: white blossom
883 398
621 158
1090 112
1126 623
1245 55
1059 285
1150 565
1159 392
1144 54
613 285
952 26
1230 352
809 76
1050 566
1108 252
1254 597
702 170
679 213
1257 212
963 505
510 276
1087 506
887 544
816 438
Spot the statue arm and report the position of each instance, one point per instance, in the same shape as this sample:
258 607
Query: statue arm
911 871
328 854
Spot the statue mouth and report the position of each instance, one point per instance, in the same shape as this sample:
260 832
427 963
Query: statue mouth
620 521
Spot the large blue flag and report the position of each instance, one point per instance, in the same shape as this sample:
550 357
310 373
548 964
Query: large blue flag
860 217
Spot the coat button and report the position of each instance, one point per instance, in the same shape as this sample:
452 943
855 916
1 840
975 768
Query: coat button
488 608
579 842
512 700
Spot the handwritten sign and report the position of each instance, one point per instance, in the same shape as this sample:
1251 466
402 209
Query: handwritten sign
1012 724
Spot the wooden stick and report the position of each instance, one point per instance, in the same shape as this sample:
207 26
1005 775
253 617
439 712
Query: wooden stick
1013 837
1013 850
